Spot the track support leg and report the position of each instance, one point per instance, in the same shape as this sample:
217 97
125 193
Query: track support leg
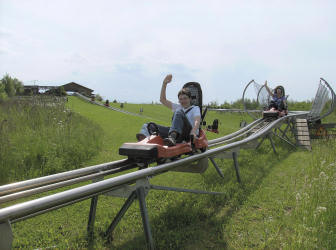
272 143
92 217
140 192
259 144
235 162
216 167
120 214
6 235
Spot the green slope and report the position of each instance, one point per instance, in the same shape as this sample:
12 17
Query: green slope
247 215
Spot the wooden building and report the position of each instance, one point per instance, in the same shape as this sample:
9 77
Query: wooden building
75 87
30 90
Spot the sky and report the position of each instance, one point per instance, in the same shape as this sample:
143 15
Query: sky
123 49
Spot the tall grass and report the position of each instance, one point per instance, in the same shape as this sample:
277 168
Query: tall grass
295 206
40 137
315 213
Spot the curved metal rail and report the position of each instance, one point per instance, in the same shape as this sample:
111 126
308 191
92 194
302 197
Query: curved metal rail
244 103
261 102
254 123
259 125
320 101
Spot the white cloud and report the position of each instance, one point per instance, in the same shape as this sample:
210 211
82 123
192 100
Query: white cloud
222 44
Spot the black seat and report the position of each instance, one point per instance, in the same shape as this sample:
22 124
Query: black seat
196 96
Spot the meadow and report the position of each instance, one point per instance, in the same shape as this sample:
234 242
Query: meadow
40 136
285 201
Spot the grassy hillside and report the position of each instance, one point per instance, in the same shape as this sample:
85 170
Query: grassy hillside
284 201
40 137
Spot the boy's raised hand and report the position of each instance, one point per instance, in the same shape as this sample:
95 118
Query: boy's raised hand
168 79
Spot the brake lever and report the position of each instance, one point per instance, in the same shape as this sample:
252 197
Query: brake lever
192 141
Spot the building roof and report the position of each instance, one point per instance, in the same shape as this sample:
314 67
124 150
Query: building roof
73 83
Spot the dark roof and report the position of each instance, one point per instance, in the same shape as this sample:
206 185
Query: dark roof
73 83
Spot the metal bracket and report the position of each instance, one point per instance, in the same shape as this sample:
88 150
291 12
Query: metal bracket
125 191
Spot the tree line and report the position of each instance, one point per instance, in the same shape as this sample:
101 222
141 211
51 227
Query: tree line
254 105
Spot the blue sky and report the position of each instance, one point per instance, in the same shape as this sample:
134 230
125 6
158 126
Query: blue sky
123 49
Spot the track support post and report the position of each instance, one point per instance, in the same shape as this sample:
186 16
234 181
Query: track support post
139 192
219 171
272 143
6 236
92 214
120 214
92 217
235 163
141 195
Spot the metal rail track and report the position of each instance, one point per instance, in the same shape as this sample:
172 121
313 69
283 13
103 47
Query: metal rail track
27 188
65 176
19 211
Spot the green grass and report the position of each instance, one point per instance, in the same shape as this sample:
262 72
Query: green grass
39 137
264 211
294 207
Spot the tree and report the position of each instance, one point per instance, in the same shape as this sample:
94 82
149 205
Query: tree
12 86
3 94
18 86
61 91
9 85
99 98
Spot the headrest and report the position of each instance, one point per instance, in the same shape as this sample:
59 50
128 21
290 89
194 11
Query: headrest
196 93
282 89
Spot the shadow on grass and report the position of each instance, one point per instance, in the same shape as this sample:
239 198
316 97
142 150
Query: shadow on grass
191 221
